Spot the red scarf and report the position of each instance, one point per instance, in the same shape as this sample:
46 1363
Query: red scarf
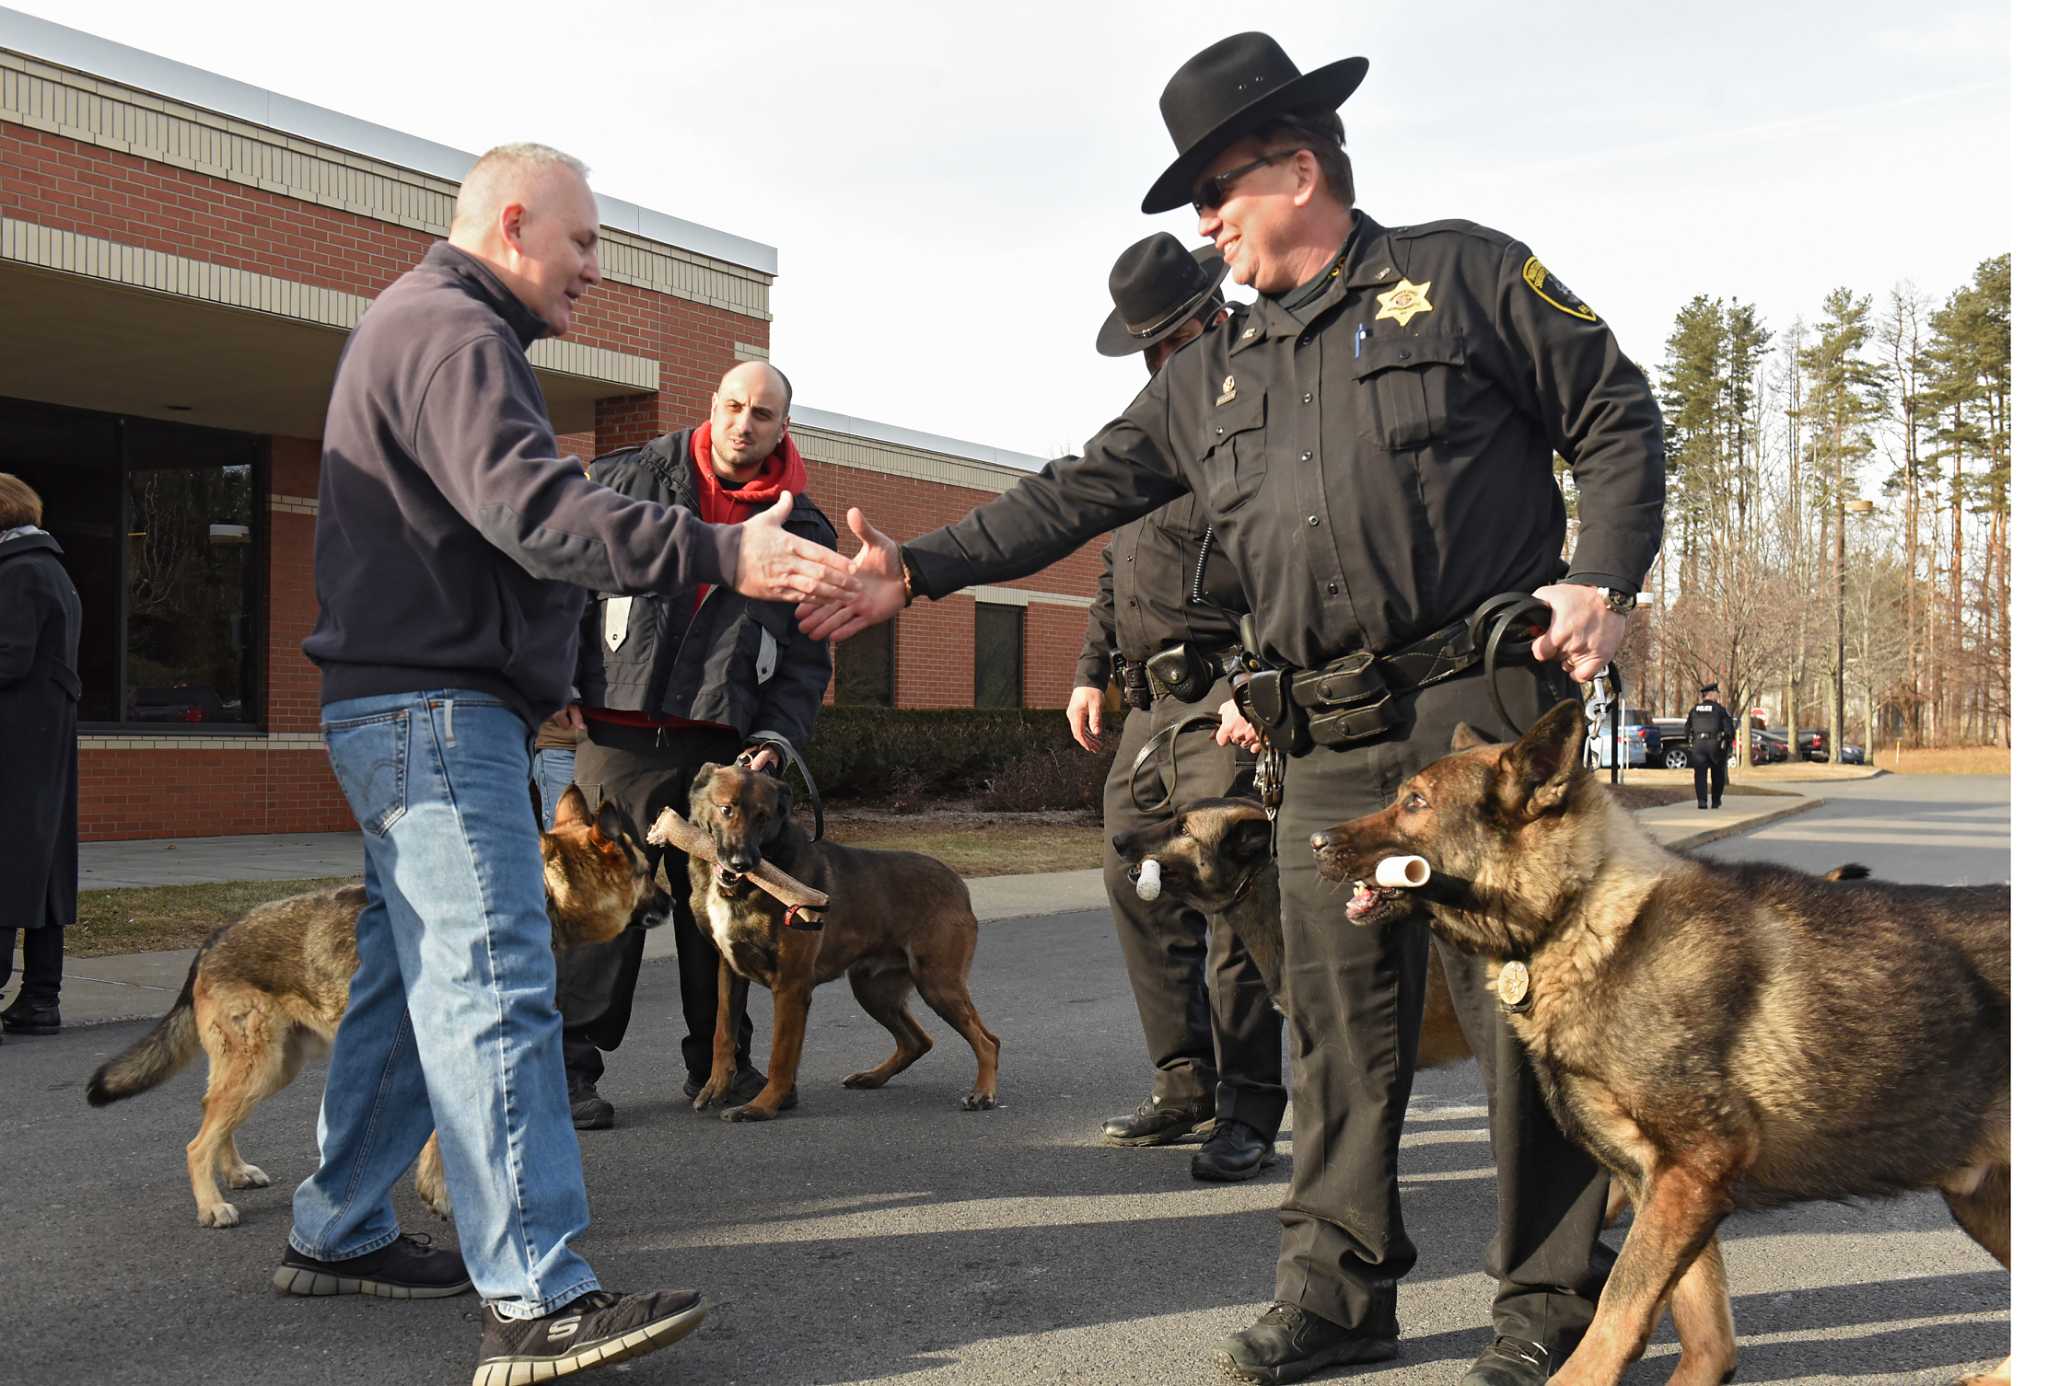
720 504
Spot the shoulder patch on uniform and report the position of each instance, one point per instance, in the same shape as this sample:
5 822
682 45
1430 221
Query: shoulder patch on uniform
1552 291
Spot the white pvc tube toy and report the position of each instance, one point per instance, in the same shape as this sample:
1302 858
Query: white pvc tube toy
1401 873
1148 879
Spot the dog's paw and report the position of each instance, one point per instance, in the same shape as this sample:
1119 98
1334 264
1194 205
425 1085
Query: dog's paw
248 1177
866 1078
220 1215
436 1201
978 1102
750 1112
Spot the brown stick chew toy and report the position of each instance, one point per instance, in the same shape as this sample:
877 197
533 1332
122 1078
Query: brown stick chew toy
801 901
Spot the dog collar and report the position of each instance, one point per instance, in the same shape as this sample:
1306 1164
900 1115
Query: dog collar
1511 988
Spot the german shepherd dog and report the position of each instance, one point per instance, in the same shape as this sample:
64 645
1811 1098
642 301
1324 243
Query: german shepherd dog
897 920
1720 1036
268 991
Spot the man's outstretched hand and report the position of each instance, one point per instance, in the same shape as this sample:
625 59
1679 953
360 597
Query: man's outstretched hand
777 566
872 593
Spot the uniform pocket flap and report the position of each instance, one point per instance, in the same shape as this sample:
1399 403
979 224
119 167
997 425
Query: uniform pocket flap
1245 412
1402 353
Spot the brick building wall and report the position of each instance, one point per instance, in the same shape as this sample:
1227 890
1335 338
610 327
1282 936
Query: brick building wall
111 175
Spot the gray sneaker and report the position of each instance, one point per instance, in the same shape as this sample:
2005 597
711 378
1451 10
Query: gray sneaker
593 1331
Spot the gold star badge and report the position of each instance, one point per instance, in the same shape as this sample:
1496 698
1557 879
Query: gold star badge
1404 301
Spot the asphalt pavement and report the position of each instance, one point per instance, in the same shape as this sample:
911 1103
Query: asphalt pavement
887 1235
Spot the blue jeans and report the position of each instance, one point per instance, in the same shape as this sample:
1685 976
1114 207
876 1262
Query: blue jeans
451 1021
553 770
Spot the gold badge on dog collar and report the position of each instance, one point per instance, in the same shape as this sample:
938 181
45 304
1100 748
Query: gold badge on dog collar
1512 986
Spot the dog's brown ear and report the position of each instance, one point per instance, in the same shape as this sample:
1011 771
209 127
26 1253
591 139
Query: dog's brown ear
1537 772
613 825
704 774
1249 837
1464 738
572 810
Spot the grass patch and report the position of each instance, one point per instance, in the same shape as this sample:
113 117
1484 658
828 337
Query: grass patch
147 919
1947 760
1636 795
977 843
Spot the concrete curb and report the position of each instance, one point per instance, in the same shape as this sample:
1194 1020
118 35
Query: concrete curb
1747 825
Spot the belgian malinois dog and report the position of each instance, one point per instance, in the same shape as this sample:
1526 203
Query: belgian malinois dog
268 991
1215 856
897 920
1720 1036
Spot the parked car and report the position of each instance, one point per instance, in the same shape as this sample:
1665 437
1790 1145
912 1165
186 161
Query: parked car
1672 753
1813 742
1768 748
1641 741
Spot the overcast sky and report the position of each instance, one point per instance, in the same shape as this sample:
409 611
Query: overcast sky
948 184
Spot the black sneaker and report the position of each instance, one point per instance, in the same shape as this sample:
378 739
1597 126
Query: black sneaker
408 1268
1287 1343
588 1111
597 1329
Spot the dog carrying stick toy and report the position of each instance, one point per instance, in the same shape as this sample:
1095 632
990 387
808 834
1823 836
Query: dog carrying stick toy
679 832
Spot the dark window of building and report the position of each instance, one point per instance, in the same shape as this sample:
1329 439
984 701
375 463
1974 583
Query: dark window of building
998 655
162 530
866 668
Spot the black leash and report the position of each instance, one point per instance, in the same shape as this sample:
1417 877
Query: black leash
1514 614
1163 740
791 756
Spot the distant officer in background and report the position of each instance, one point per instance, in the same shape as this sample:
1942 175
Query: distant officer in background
1709 737
1164 616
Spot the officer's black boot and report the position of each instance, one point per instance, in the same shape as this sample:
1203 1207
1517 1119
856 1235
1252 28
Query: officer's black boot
1287 1343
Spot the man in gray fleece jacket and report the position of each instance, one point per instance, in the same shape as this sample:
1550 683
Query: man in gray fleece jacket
450 556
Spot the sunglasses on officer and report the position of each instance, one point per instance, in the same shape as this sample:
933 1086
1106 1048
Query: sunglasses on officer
1211 191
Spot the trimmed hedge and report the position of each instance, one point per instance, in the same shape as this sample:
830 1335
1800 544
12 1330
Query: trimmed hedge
1013 759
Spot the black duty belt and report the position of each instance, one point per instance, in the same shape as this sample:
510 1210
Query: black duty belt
1186 671
1351 700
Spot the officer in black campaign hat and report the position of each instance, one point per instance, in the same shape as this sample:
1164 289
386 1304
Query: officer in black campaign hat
1163 621
1372 440
1709 737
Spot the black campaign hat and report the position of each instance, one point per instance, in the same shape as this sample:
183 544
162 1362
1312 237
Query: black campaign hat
1156 285
1227 89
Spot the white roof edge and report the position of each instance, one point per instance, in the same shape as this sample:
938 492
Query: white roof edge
804 417
98 57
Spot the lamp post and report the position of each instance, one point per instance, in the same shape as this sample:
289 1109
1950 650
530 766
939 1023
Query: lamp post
1843 509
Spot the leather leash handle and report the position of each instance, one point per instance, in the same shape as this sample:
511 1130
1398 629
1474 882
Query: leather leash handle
1162 740
679 832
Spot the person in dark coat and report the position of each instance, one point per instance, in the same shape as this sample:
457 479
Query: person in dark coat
1207 1016
667 684
39 616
